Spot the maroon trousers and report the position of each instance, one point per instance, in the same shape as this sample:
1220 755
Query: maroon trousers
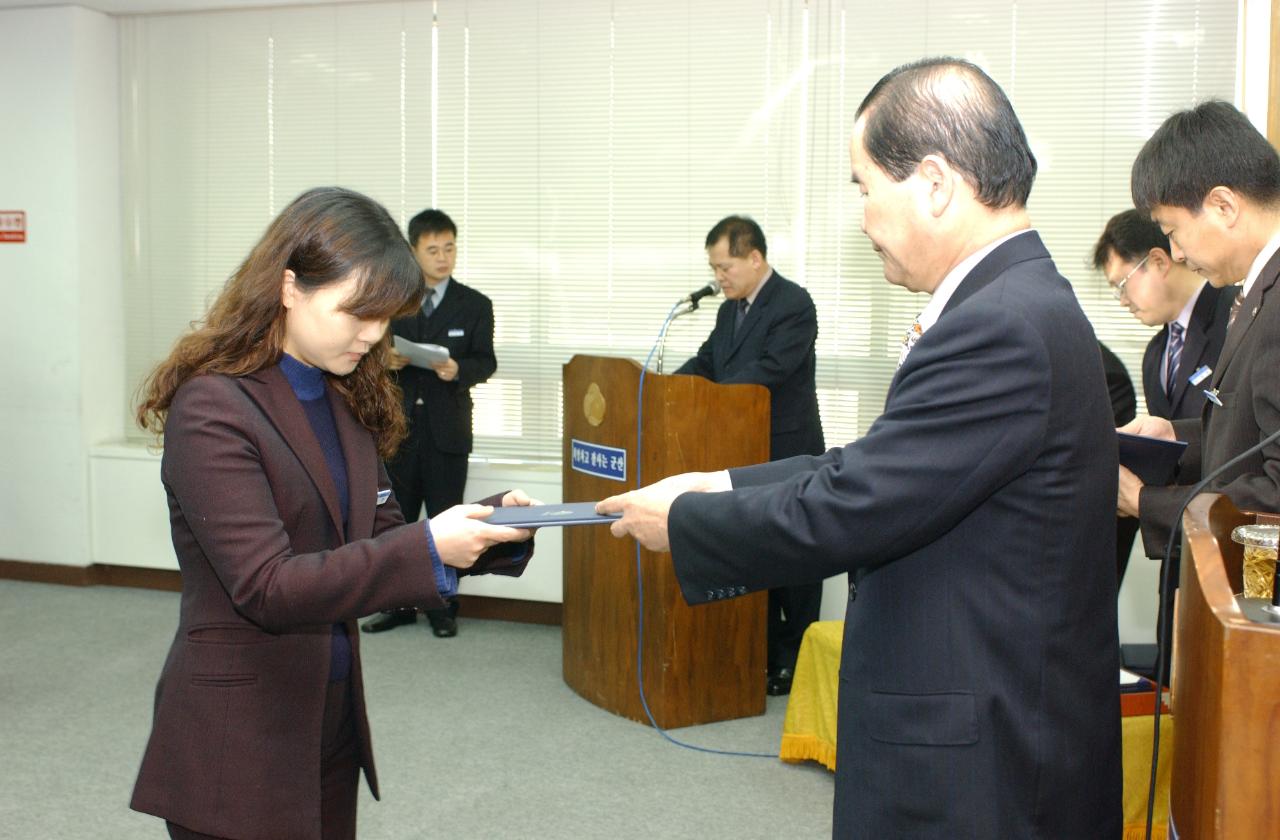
339 771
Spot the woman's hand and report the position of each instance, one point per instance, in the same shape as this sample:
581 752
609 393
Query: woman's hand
461 535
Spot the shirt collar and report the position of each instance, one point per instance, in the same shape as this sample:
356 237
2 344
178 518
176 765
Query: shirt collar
951 282
437 293
751 298
1259 262
1184 317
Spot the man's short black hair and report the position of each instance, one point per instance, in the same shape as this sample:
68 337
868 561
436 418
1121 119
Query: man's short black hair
1130 236
1210 145
744 236
949 107
430 221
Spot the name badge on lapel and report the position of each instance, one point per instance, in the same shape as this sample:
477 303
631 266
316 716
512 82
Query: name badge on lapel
457 332
383 495
1202 373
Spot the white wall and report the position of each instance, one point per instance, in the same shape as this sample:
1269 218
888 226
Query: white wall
61 375
1253 85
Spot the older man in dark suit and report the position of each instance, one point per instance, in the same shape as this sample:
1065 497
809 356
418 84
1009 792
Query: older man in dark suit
978 679
764 334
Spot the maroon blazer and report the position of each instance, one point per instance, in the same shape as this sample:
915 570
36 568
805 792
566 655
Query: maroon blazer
267 568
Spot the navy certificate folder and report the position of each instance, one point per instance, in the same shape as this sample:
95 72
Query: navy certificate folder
1153 460
542 516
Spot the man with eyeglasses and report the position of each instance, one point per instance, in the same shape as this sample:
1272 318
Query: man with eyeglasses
1134 255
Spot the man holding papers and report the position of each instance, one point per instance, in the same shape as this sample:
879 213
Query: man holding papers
978 678
1135 257
1212 183
431 466
765 334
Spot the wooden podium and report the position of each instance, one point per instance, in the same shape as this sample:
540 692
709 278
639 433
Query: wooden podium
701 664
1226 688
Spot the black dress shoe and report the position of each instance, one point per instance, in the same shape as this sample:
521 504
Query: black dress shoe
778 682
443 624
389 619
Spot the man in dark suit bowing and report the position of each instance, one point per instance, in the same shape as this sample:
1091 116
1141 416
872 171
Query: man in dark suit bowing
764 334
978 690
1211 182
431 466
1134 255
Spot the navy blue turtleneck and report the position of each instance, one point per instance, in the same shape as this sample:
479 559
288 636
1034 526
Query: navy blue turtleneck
308 386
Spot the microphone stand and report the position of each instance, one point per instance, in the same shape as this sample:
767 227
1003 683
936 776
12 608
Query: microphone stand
675 313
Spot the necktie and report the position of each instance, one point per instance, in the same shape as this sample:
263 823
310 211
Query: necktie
909 340
741 314
1173 356
429 303
1235 307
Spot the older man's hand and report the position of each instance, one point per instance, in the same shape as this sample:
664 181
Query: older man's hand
644 511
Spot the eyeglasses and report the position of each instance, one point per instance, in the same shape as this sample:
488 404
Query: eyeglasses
1117 291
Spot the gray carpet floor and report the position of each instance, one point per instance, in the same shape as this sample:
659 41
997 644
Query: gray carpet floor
475 737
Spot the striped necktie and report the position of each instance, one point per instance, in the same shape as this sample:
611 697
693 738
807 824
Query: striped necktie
741 314
1173 356
429 303
1235 307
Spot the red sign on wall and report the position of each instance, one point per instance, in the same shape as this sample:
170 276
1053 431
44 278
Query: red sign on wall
13 226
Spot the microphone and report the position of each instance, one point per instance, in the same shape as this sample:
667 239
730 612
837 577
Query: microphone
712 288
1165 582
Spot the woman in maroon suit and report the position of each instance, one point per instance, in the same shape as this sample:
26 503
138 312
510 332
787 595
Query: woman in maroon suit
275 415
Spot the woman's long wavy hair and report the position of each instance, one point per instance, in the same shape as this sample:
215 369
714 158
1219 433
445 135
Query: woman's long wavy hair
325 236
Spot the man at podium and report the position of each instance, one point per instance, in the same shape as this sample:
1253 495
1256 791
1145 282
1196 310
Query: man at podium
978 676
764 335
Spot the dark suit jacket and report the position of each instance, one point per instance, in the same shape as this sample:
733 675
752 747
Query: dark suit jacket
1123 409
774 348
978 680
1247 378
464 324
1124 406
1201 345
267 568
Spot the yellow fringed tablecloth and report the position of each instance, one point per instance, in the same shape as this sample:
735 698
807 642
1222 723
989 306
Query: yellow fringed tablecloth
809 731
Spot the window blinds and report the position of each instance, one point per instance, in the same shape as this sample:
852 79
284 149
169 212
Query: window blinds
585 148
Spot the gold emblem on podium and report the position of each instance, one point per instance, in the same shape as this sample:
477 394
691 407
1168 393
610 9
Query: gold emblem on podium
593 405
